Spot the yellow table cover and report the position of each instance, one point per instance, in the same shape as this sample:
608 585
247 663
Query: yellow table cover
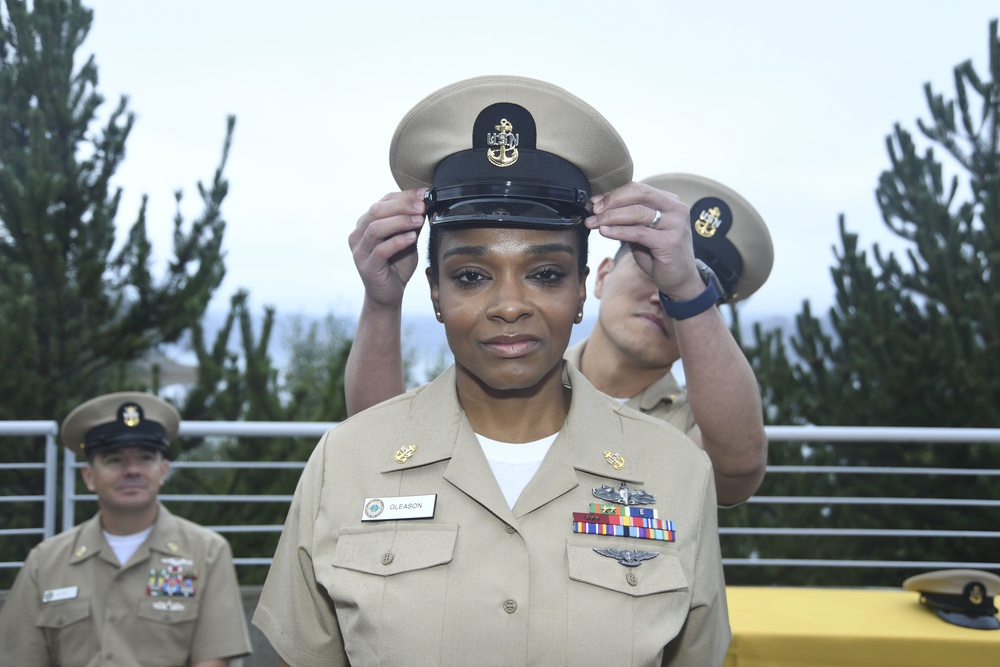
827 627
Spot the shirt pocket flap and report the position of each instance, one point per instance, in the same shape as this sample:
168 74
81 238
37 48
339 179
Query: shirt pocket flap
61 614
168 609
394 549
659 574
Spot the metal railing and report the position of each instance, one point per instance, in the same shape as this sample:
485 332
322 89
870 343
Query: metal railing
848 435
48 466
863 435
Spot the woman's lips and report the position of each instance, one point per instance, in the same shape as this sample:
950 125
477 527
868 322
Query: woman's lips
511 347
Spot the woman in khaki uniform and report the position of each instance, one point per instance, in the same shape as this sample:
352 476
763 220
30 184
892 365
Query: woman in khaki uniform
507 512
135 585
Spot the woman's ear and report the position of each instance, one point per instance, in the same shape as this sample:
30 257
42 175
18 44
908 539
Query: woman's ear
435 292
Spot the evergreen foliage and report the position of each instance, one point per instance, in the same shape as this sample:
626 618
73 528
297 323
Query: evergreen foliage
244 385
910 341
76 309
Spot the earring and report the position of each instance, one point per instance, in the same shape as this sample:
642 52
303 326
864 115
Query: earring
437 314
579 317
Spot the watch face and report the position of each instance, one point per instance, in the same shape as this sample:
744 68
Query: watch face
708 275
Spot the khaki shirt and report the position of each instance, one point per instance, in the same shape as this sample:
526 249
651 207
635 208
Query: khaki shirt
664 399
175 601
480 583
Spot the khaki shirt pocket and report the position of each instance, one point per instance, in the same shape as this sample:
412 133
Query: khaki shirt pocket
660 574
168 610
389 585
68 629
166 625
394 548
654 596
58 615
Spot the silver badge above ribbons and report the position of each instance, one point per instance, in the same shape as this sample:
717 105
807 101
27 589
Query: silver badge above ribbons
623 496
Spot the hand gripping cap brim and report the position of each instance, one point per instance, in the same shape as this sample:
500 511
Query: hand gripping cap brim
487 142
122 419
729 235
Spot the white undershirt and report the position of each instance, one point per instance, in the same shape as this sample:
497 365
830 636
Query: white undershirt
126 545
515 463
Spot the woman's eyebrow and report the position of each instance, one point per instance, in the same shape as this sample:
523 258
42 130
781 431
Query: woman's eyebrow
547 248
476 250
480 250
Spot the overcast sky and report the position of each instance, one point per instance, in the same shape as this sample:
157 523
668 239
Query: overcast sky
787 102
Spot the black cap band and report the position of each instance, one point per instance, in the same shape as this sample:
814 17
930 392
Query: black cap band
505 179
131 428
711 219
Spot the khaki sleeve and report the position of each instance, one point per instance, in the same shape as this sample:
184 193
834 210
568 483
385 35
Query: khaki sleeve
704 639
222 630
295 613
22 640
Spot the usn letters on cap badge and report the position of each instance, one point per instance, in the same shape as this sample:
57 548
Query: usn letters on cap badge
505 140
131 416
708 222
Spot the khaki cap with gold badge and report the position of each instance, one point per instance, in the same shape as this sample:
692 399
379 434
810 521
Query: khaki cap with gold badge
729 234
123 419
961 597
509 150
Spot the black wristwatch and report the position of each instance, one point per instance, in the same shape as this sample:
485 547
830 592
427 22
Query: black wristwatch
681 310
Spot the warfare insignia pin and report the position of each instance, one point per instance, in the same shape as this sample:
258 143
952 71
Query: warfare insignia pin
616 460
173 547
708 222
628 557
505 140
404 453
623 496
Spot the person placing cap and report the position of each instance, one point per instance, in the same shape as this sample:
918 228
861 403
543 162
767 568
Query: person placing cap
638 336
641 331
134 585
507 510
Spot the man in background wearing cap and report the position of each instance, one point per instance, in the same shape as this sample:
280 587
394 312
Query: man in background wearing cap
134 585
632 348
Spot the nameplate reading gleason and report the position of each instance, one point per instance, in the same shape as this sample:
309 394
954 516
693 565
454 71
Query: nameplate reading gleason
393 508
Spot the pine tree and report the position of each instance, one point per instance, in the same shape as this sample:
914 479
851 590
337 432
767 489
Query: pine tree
74 310
912 341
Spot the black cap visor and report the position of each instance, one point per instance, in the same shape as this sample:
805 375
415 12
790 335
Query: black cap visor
114 436
512 204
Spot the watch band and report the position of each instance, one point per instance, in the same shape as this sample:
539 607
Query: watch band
681 310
